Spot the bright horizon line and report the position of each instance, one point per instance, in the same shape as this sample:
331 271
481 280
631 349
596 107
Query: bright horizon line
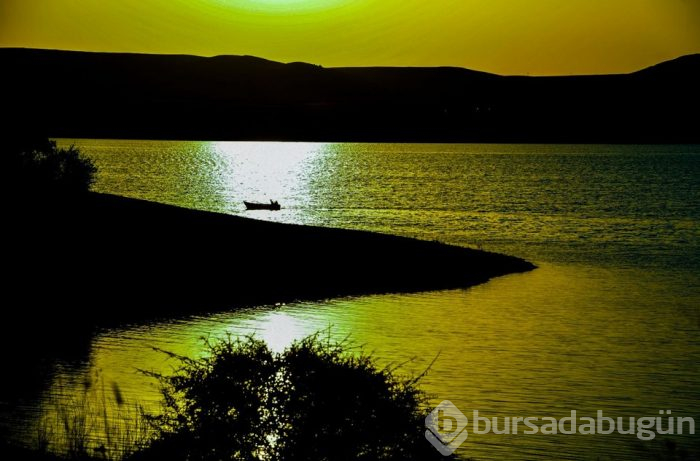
142 53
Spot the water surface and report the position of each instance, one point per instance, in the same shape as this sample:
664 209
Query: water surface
608 322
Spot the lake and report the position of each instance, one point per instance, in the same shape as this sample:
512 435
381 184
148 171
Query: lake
609 321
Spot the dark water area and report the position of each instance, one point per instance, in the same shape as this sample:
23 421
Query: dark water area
609 321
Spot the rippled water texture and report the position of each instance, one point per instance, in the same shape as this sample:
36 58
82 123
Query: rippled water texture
608 322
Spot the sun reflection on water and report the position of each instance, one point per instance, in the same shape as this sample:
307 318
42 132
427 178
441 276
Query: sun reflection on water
261 172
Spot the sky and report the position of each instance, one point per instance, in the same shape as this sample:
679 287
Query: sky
525 37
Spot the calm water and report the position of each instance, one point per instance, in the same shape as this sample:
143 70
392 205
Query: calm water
609 321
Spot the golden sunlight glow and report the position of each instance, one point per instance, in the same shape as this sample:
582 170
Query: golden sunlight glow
501 36
279 330
261 172
281 6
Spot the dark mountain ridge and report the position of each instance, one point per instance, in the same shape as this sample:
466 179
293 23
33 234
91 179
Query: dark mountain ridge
121 95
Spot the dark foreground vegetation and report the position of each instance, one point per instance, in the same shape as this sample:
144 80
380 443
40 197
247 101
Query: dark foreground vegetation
102 95
316 401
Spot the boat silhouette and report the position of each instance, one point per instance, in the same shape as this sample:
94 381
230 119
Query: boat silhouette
273 205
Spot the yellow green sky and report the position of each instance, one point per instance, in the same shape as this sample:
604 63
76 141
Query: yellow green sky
502 36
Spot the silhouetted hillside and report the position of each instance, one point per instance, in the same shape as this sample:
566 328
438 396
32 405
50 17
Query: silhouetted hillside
75 94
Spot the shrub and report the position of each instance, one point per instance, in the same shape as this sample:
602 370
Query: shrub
39 166
314 401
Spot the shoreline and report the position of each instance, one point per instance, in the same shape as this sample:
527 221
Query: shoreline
137 259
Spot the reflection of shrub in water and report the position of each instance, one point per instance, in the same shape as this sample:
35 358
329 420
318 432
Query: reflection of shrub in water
95 423
314 401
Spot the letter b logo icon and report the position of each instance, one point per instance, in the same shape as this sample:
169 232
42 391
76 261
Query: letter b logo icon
446 423
446 428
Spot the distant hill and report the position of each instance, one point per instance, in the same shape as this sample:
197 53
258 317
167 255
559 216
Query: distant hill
114 95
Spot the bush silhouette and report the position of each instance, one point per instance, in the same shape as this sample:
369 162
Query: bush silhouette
38 166
314 401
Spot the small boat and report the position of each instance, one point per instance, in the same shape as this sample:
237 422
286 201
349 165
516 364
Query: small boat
273 205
